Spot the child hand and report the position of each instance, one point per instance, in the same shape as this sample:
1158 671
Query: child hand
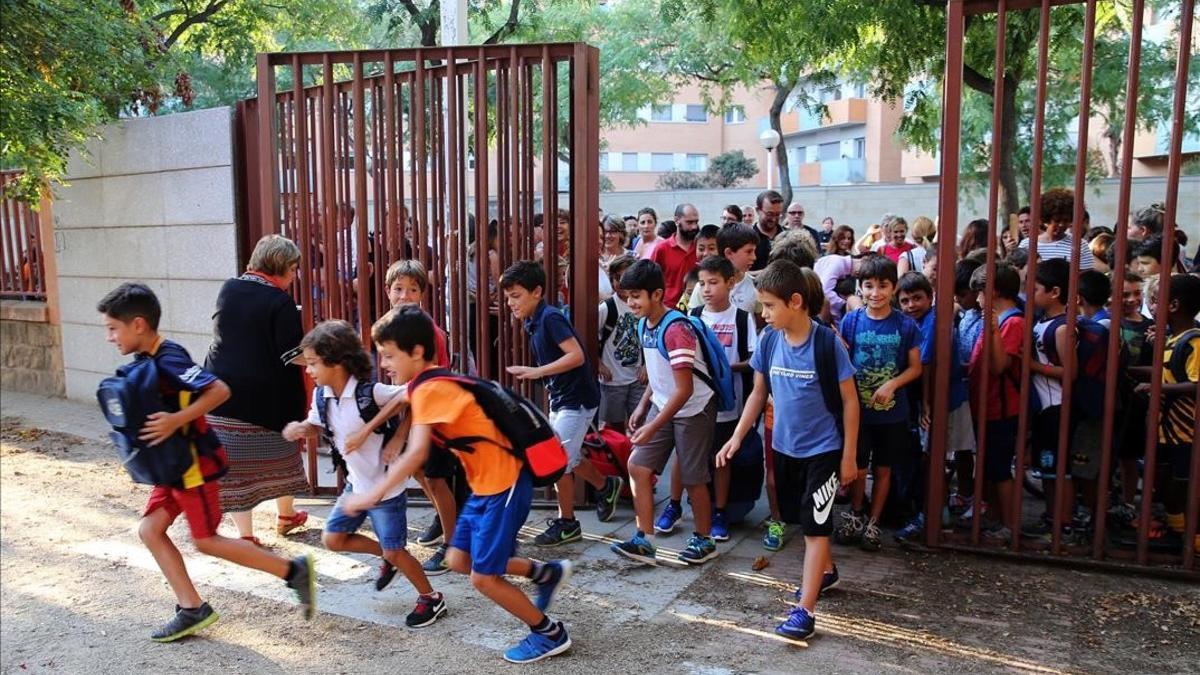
727 451
523 372
848 471
604 373
883 396
159 427
355 440
355 504
636 419
925 421
643 434
392 452
294 431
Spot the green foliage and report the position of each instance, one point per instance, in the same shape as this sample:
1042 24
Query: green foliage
682 180
730 168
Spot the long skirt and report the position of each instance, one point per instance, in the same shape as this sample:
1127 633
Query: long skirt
262 464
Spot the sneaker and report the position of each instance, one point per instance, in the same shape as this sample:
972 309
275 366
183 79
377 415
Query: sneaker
606 500
959 503
829 581
800 625
432 536
536 647
911 532
720 529
559 531
1123 514
559 571
1000 535
773 539
436 565
1040 529
666 522
429 609
303 579
637 548
699 550
185 622
387 572
871 537
851 529
969 514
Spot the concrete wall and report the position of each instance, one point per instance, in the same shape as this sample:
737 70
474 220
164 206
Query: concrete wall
154 203
30 349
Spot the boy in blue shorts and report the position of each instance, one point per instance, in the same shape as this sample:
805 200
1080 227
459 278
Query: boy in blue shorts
334 358
806 368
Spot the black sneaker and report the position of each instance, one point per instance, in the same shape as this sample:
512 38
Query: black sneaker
606 500
387 572
303 579
432 536
559 531
185 622
429 609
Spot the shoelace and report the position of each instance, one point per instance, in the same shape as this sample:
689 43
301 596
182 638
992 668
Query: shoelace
796 616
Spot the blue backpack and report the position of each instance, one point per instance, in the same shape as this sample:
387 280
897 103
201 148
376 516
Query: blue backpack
1091 363
720 375
126 400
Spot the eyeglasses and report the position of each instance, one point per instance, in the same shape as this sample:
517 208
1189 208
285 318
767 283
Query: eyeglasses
795 213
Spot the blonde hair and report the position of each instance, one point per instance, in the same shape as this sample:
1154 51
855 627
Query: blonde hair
923 230
413 269
274 255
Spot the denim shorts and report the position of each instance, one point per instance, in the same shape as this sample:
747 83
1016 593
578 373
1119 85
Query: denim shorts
571 425
389 520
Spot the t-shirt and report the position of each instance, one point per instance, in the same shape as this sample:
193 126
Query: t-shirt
1133 339
763 250
958 383
1178 426
744 296
879 351
440 346
179 373
682 347
803 426
453 413
364 467
1062 248
1048 389
831 269
1004 394
675 263
622 353
576 389
893 253
970 327
724 326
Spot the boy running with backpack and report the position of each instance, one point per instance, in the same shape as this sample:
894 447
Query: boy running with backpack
346 398
806 368
445 412
622 376
573 391
131 313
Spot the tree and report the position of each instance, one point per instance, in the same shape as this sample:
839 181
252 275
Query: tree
730 168
682 180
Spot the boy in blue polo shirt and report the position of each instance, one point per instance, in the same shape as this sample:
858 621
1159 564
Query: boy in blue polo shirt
574 395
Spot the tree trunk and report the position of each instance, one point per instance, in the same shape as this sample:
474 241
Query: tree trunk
1008 147
782 91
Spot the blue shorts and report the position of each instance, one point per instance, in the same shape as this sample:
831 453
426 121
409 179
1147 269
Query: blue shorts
487 527
389 520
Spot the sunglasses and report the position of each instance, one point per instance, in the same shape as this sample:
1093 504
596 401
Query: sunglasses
795 213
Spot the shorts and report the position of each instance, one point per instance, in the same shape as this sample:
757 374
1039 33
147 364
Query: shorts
692 436
488 525
1085 449
1045 442
441 464
571 425
1001 449
1178 458
882 445
807 488
961 430
618 402
201 506
1131 430
389 521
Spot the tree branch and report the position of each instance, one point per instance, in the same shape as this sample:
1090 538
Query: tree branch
977 81
203 16
509 26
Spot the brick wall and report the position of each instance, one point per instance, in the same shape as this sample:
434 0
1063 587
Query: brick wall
30 350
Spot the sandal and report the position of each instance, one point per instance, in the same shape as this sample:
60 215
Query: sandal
288 524
254 540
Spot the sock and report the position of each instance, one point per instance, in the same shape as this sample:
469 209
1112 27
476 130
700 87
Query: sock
720 512
547 627
1176 522
677 504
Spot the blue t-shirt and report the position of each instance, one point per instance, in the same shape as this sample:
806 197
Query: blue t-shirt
970 327
879 352
803 425
958 382
177 372
575 389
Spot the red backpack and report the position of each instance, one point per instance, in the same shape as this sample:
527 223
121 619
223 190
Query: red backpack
609 452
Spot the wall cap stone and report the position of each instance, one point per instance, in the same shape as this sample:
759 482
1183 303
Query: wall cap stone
34 311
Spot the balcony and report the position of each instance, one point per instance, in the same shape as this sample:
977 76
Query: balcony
829 172
837 113
1148 146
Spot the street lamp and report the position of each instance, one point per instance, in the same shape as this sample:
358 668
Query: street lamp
769 139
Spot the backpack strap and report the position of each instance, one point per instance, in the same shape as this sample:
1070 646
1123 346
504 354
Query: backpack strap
1050 344
610 321
766 345
671 317
1180 354
851 331
825 357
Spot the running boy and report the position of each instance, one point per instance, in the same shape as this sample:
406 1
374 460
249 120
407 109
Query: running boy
812 455
574 396
485 540
622 376
131 313
885 348
333 356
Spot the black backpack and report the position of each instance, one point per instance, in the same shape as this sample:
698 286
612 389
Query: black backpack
364 398
825 358
127 400
743 322
610 322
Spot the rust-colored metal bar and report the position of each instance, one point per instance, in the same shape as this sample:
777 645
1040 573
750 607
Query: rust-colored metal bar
12 259
419 120
456 230
585 191
268 177
482 345
1100 508
327 249
306 266
360 201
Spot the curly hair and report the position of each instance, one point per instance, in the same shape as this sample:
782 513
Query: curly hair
337 344
795 245
1058 206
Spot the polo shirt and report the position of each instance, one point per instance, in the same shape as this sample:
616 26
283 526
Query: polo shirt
576 389
763 250
675 264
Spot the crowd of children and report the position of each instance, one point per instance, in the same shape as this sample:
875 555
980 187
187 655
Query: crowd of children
846 388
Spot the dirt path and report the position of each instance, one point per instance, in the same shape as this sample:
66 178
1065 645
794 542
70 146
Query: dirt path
78 594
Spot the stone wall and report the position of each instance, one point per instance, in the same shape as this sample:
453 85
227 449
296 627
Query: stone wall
30 349
153 203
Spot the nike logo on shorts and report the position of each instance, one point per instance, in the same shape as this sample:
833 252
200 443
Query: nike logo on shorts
823 499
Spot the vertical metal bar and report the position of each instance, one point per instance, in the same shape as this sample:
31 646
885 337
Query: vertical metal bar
585 182
392 160
360 200
419 118
482 345
306 264
268 165
329 168
504 192
455 230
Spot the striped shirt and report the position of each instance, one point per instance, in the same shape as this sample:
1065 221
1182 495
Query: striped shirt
682 346
1062 249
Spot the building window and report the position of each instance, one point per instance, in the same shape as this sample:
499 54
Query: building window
860 90
661 113
662 161
629 161
801 155
735 114
697 113
697 162
860 148
830 151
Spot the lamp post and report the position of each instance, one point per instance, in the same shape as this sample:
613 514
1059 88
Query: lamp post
769 139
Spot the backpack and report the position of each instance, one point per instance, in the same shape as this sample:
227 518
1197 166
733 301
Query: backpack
364 398
721 378
610 322
521 422
609 450
127 400
743 323
1091 362
825 359
1008 374
1180 354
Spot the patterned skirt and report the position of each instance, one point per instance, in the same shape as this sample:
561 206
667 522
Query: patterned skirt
262 465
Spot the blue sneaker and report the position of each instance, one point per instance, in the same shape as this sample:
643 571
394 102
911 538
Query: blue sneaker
536 647
828 580
800 625
560 571
666 522
773 539
699 550
637 548
911 532
720 529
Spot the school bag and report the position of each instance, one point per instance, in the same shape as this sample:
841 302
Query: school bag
609 450
610 321
744 325
825 359
127 400
720 376
1180 354
364 398
1091 361
521 422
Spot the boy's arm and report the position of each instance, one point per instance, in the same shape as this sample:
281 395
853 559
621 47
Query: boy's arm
678 398
389 410
571 359
755 403
414 458
887 391
162 425
998 359
850 411
1066 351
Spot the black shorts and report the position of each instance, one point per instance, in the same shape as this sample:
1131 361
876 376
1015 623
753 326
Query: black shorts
1045 442
440 464
884 445
722 432
1178 458
1001 449
806 489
